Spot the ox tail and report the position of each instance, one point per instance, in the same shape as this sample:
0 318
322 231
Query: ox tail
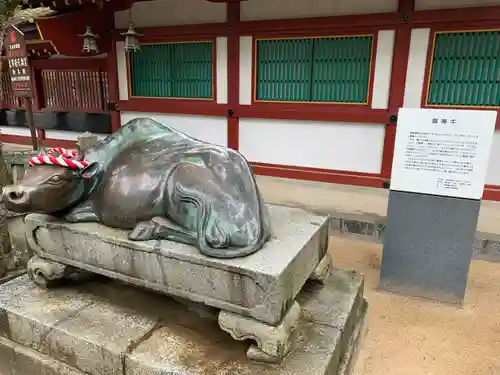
204 211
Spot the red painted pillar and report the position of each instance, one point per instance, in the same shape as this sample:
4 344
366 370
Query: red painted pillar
233 73
113 90
398 83
38 97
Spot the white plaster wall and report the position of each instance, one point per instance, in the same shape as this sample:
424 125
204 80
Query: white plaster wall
493 172
279 9
221 69
246 62
49 134
205 128
121 62
415 73
442 4
328 145
172 12
14 130
383 69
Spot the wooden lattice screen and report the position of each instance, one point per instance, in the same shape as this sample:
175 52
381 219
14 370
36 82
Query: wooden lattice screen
75 89
465 69
173 70
333 69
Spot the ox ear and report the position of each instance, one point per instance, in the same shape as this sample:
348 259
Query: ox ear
89 171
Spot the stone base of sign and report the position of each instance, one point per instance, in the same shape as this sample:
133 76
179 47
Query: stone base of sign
106 327
428 245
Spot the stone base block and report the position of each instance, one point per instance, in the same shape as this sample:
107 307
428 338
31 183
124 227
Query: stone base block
109 328
262 286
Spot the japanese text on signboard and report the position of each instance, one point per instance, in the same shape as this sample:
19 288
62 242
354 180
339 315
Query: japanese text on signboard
19 69
442 152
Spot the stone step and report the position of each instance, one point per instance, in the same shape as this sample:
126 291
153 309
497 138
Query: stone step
109 328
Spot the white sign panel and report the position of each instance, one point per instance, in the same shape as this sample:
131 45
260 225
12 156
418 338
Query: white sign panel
442 152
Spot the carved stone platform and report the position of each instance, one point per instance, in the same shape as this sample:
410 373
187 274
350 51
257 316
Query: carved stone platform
256 294
105 327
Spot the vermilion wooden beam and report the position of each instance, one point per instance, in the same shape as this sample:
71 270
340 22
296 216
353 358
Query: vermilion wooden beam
313 113
70 64
179 32
179 106
233 74
471 14
317 174
398 84
406 6
113 88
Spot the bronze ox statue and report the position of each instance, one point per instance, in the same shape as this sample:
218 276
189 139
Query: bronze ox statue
158 182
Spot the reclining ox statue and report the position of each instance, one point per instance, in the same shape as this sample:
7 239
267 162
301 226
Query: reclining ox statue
155 181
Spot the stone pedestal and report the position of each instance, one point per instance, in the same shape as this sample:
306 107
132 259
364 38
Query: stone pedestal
106 327
256 294
428 245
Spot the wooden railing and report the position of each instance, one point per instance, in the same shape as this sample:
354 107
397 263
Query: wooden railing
74 90
6 96
63 85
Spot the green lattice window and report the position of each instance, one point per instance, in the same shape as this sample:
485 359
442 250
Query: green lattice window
173 70
465 70
333 69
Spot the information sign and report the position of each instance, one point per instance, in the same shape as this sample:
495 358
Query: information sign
442 152
17 58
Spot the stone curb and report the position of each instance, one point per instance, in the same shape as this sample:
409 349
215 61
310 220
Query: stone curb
371 228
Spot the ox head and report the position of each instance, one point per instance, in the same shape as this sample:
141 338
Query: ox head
48 189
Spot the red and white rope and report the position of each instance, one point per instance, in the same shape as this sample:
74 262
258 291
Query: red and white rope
63 152
66 159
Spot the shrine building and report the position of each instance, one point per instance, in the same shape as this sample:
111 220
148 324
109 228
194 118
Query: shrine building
306 90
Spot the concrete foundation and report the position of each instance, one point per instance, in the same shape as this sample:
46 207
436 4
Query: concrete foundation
108 328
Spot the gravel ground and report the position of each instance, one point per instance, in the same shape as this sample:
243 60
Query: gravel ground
408 336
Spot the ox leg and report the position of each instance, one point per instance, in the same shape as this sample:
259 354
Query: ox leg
160 228
84 212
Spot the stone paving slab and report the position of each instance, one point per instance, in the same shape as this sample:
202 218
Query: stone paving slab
114 329
262 285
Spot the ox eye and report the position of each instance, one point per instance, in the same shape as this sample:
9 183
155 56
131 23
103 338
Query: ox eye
55 179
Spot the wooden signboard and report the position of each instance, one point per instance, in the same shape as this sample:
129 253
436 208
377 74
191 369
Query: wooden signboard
17 58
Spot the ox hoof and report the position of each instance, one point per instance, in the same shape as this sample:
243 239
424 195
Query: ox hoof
143 231
45 273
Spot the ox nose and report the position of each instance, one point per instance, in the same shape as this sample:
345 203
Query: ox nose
14 194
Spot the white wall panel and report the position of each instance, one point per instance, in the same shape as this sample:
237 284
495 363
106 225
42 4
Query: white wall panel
172 12
442 4
121 62
415 74
221 66
328 145
14 130
246 62
493 173
205 128
49 134
383 69
279 9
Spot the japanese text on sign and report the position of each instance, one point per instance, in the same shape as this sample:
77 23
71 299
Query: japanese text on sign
442 152
19 69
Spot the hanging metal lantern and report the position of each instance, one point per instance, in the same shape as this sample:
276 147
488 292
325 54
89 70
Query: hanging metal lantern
89 41
132 39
